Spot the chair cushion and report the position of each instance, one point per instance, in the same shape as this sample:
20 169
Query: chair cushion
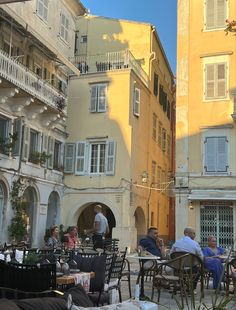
46 303
79 296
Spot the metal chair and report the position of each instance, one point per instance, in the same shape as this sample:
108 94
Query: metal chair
33 278
193 265
230 274
126 275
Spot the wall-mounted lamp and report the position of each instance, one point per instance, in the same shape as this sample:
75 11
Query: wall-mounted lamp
190 206
144 177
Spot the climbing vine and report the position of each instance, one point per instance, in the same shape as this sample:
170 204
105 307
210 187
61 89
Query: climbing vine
18 226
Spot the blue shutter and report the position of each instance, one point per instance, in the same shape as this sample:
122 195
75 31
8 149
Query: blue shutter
210 154
80 158
69 157
17 128
222 154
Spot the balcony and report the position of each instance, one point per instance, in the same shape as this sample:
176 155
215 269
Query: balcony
21 77
109 62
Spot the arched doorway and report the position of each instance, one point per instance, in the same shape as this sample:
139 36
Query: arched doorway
53 209
86 218
140 223
3 201
29 200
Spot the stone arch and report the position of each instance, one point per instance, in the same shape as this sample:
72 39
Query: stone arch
30 198
83 205
140 222
86 218
53 212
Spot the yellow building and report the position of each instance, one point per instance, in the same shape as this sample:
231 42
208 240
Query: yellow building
205 126
36 42
118 153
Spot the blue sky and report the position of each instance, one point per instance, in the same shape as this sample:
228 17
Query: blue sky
160 13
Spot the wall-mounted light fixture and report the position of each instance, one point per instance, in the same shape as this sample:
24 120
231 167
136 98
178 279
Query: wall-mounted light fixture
190 206
144 177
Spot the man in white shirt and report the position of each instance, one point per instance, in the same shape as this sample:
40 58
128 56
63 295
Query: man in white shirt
187 243
101 227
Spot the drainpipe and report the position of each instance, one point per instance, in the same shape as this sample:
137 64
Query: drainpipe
152 53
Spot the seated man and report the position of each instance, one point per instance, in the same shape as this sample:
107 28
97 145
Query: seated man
189 245
152 243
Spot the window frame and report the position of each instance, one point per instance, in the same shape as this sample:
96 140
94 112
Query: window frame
83 159
217 158
215 15
7 130
95 105
215 81
136 101
45 8
154 126
64 28
35 138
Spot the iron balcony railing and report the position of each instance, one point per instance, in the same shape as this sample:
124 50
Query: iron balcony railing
20 76
109 61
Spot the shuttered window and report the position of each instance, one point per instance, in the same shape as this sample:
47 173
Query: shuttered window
42 9
136 105
155 85
154 126
98 100
215 80
216 154
154 165
64 27
215 14
69 157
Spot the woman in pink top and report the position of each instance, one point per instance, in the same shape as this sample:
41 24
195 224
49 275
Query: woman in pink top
72 238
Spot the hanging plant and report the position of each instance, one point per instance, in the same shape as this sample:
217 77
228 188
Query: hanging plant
18 226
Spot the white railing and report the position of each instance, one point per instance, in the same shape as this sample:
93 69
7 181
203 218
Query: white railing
21 77
109 61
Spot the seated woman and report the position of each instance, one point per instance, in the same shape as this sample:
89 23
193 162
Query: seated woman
213 260
53 240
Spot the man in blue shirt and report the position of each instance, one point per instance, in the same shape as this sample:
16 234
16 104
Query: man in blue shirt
152 243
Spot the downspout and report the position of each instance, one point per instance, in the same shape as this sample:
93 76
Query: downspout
152 57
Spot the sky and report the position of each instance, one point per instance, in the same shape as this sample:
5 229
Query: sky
160 13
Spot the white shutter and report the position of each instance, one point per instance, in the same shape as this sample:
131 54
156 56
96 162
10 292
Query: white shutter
110 157
210 154
69 157
93 101
221 80
215 13
210 81
51 144
136 102
220 13
102 95
80 158
17 129
26 142
210 9
222 154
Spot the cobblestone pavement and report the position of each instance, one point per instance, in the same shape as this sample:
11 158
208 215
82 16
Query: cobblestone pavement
166 302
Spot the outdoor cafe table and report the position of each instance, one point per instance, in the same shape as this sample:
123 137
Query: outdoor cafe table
142 260
70 279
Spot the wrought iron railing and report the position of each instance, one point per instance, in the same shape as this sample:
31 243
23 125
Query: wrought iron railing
109 61
20 76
